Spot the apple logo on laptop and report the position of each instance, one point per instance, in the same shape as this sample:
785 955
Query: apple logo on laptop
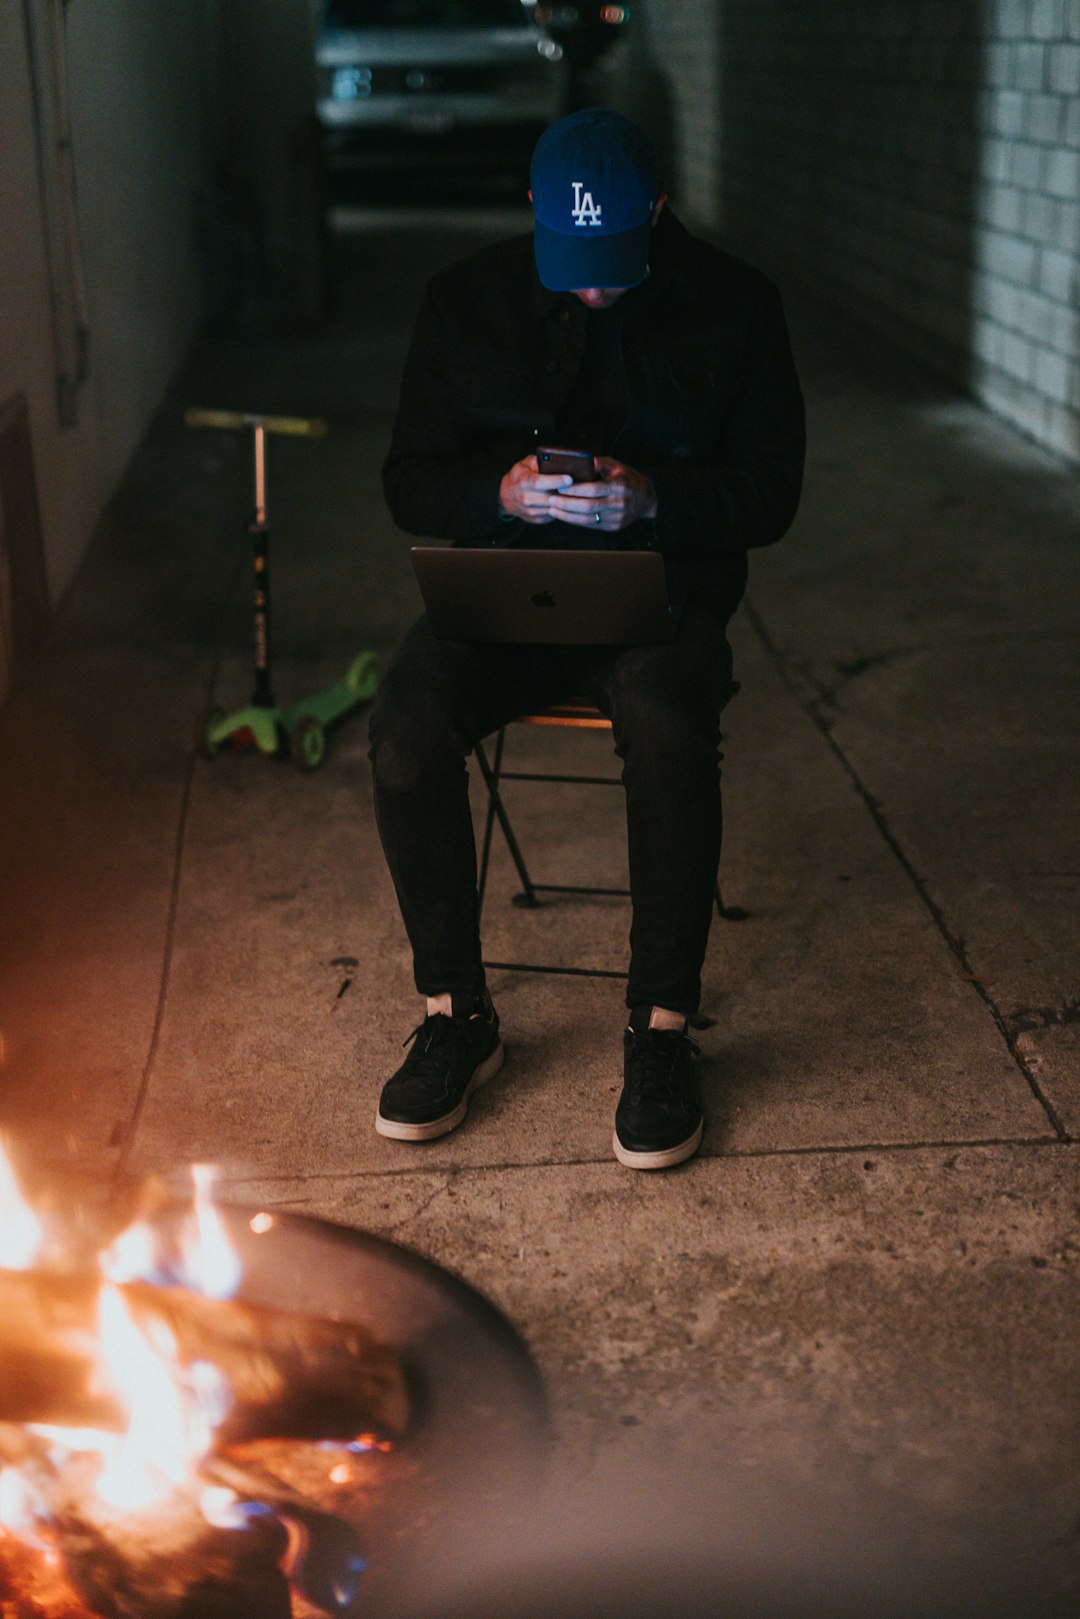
543 598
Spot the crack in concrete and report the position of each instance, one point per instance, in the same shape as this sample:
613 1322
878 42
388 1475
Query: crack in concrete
828 694
345 1177
1027 1018
1008 637
348 1177
123 1135
413 1215
954 942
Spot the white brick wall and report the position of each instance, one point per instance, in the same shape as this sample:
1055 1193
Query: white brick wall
917 159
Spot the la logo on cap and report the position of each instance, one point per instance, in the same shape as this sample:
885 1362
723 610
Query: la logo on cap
584 211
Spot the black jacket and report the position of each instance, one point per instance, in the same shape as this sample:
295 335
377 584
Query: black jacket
702 379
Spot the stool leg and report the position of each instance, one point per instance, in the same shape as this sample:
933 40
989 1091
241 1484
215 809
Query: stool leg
728 913
497 811
490 775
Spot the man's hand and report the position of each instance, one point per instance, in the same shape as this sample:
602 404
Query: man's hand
526 492
624 497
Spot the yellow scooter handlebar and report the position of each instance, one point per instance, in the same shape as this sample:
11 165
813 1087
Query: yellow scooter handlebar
230 420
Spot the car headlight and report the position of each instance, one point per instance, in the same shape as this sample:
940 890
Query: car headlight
350 83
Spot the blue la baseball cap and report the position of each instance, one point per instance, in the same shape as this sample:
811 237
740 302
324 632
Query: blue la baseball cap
594 183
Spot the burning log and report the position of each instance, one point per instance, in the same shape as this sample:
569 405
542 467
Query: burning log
169 1561
290 1374
174 1567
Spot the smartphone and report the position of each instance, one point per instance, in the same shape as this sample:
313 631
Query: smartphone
578 463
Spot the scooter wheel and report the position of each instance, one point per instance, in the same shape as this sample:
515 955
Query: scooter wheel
307 744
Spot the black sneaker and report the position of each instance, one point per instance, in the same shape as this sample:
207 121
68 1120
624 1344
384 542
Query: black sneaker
658 1121
450 1058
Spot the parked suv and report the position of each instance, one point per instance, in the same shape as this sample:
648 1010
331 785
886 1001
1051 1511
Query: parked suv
423 94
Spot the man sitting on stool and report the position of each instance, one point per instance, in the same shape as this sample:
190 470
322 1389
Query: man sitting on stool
610 329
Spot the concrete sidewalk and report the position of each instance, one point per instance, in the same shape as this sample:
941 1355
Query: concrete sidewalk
862 1298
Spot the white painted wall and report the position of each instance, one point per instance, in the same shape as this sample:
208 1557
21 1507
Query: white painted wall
143 127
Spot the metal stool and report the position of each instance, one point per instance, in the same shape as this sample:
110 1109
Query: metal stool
574 714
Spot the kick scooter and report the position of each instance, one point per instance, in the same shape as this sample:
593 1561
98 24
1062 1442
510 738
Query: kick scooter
300 728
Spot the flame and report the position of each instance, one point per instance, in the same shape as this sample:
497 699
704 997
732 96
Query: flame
19 1504
221 1507
211 1264
172 1413
207 1262
142 1481
157 1451
21 1234
133 1256
172 1410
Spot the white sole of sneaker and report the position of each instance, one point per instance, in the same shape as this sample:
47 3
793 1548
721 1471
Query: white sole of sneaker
449 1121
659 1160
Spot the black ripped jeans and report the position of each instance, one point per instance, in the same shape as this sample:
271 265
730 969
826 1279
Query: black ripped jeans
439 697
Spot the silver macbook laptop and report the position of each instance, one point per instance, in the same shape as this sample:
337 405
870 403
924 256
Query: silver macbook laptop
587 598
